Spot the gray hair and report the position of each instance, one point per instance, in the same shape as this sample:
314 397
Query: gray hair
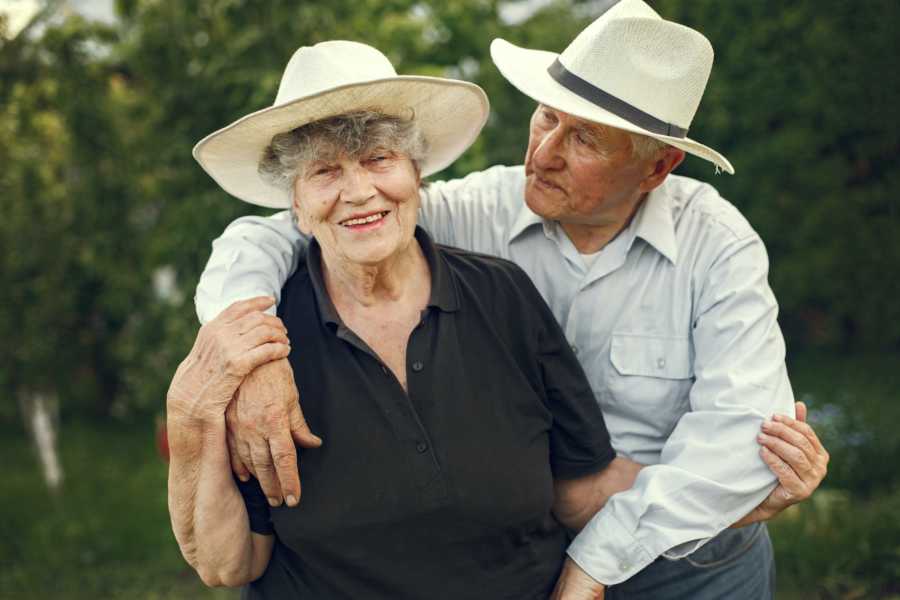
644 147
352 134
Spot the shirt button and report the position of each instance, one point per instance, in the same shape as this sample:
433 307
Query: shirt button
574 349
421 447
624 566
661 363
418 366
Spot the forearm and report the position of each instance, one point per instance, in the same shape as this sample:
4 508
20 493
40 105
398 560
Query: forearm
254 256
578 500
208 515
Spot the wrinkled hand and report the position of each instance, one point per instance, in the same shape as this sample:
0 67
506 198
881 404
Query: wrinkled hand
575 584
227 348
264 420
794 453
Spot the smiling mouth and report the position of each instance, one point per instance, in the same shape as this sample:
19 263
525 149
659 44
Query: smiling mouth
366 220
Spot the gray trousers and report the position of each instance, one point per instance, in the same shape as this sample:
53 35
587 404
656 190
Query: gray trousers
737 564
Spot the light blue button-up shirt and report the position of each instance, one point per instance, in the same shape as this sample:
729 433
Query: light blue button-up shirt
674 323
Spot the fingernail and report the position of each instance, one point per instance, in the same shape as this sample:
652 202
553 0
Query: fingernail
273 502
762 437
779 418
767 425
244 478
291 501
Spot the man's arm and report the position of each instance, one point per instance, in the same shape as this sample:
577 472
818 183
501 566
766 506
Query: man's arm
710 472
254 256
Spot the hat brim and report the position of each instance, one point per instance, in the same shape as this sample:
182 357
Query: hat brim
527 70
450 114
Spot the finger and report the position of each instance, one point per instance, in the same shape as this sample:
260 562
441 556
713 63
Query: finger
238 465
242 307
265 472
300 430
792 455
262 334
790 487
806 430
255 319
244 362
792 435
284 457
800 410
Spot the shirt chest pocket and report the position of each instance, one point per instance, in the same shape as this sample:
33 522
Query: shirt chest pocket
648 379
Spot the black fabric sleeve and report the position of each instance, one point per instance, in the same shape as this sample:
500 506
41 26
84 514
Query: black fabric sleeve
579 441
257 506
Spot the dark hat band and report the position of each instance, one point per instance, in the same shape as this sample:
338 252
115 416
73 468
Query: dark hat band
606 101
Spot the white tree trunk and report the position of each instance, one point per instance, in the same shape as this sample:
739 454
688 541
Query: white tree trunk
40 413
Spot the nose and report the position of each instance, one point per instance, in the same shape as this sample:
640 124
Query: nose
357 185
547 153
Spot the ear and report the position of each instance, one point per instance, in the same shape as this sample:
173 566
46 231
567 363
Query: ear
658 170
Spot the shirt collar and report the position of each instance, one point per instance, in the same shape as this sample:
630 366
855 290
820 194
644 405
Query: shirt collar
653 223
524 220
443 290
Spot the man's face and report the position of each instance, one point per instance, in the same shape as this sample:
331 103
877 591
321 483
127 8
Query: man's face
581 173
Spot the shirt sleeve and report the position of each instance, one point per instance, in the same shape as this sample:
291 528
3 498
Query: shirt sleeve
579 441
476 212
253 257
710 473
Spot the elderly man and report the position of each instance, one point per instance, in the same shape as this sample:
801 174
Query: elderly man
660 286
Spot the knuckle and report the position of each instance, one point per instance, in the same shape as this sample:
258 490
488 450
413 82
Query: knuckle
284 461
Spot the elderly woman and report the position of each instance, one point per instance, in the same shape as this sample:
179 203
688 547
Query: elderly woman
461 433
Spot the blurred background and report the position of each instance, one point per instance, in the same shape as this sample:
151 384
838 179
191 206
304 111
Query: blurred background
106 224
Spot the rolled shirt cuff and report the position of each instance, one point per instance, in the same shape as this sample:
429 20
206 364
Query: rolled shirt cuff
607 552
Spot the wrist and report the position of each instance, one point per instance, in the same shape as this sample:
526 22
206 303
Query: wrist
195 414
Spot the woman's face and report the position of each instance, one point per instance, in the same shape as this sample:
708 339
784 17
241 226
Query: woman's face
360 210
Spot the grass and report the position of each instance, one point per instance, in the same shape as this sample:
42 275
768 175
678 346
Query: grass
107 533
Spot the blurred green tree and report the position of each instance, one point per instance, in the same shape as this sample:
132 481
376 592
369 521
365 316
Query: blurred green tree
108 220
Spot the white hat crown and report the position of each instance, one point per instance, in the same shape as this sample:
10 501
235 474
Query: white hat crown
333 78
629 69
657 66
314 69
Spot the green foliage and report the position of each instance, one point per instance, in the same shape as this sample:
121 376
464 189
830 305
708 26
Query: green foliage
854 411
839 546
803 100
107 535
103 197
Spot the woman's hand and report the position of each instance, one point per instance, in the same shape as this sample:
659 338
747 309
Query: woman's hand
226 350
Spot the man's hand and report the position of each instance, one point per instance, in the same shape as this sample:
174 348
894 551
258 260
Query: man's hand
575 584
794 453
264 420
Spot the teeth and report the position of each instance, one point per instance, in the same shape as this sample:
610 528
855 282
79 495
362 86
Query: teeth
364 220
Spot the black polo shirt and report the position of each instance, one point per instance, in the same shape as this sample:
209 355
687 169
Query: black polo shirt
444 492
